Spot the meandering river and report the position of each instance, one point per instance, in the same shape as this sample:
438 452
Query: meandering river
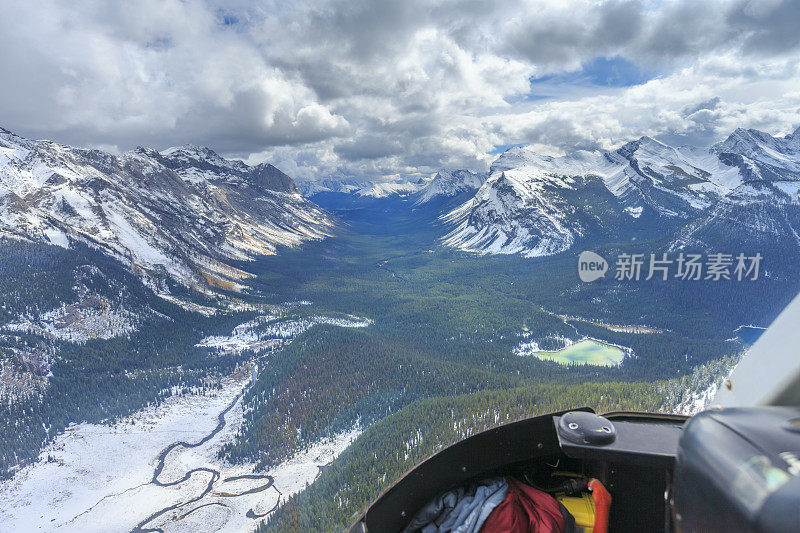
214 477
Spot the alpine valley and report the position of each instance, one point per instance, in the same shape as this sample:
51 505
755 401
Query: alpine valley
188 342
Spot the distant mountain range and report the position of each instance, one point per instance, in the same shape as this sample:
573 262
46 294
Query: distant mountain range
444 184
746 189
373 189
741 194
184 213
189 215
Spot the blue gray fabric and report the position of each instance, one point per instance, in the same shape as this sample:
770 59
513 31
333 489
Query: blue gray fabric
462 510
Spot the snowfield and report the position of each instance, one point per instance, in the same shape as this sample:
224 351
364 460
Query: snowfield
99 478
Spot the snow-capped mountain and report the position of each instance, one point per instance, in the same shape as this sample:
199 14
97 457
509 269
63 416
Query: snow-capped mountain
444 184
382 189
510 214
372 189
447 184
199 165
538 205
340 185
184 213
758 155
758 216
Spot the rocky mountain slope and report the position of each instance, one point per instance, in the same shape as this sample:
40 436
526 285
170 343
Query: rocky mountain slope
538 205
184 214
449 183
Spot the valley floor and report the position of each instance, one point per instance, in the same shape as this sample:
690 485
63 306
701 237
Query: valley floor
100 478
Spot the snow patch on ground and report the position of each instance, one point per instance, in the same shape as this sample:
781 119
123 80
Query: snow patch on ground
189 306
78 323
17 383
694 392
527 348
635 212
263 332
243 337
97 477
698 401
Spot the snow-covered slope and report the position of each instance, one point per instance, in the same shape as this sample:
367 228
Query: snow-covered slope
538 205
758 155
513 213
758 216
760 212
373 189
449 183
382 189
312 187
184 213
444 184
98 478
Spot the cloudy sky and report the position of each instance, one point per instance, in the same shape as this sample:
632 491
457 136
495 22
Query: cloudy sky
376 89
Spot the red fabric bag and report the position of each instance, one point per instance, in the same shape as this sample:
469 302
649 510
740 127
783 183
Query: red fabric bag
525 510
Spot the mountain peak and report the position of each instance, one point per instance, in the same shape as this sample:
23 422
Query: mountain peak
191 150
197 160
13 137
739 139
748 141
515 149
448 183
628 149
271 177
752 133
143 150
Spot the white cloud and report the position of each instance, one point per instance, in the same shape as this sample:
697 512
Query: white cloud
360 88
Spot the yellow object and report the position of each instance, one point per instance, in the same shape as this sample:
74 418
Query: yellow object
581 508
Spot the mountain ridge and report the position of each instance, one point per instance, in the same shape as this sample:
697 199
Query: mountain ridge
183 214
529 204
446 183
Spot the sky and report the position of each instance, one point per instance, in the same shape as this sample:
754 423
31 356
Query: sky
375 90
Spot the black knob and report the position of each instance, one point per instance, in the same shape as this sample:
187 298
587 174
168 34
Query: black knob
581 427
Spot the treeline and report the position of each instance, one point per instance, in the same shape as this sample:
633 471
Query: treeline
329 378
104 380
35 278
99 380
